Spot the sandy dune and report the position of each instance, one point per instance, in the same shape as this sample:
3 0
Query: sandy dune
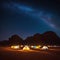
9 54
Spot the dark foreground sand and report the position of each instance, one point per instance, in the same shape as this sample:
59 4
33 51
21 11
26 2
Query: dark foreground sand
9 54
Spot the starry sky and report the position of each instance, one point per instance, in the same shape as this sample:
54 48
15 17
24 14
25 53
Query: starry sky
27 17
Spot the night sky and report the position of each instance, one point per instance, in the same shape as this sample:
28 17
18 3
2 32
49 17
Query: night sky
27 17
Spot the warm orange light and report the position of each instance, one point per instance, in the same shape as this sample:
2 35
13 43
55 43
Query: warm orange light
21 46
36 47
26 48
32 46
15 47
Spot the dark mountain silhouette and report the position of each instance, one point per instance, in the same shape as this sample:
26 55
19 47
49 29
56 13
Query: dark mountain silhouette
15 39
47 38
50 38
29 40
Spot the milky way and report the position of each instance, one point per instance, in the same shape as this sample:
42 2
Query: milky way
43 15
27 20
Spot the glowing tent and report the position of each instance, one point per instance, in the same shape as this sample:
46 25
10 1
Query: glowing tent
26 48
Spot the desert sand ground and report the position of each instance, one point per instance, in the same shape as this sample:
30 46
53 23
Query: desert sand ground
6 53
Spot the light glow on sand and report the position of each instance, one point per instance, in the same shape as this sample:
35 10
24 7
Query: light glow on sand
15 47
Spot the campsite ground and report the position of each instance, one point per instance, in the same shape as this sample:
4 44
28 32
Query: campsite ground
6 53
